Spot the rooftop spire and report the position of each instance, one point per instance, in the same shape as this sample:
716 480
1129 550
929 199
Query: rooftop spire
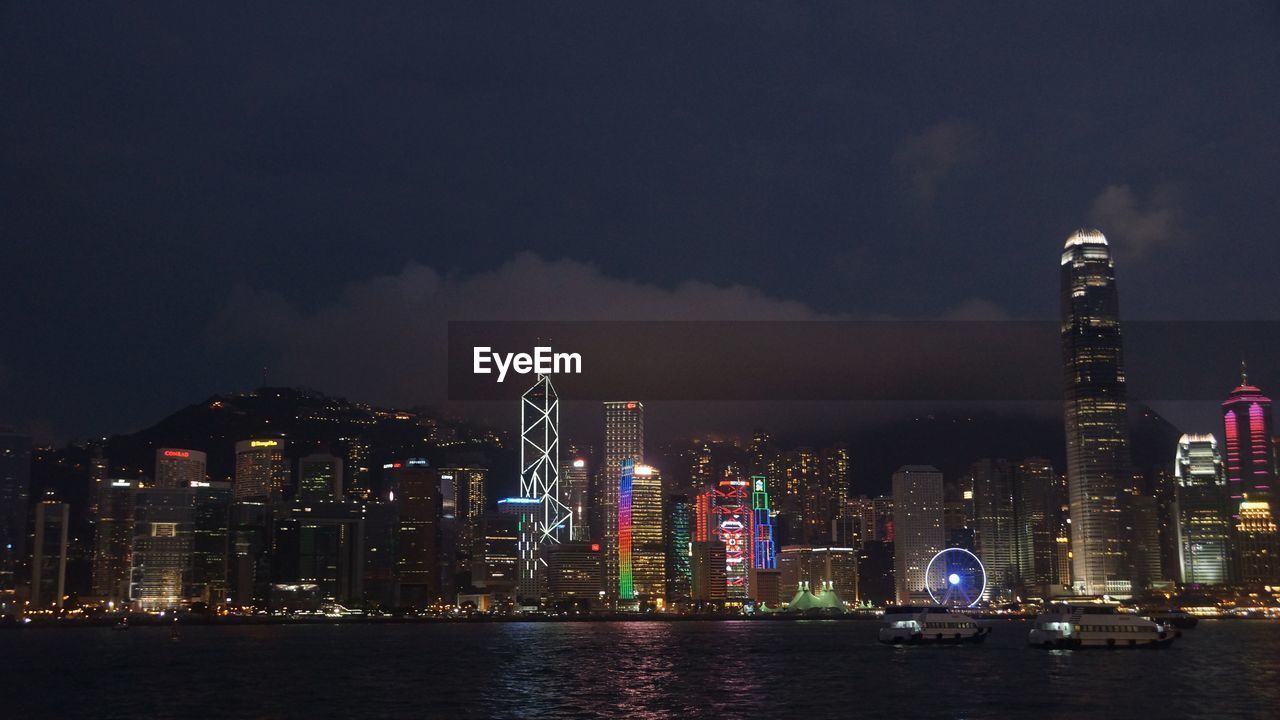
1244 372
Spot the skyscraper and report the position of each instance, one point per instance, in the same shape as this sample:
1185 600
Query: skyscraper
918 532
540 473
1039 522
648 551
164 522
320 477
575 482
113 541
1095 412
765 555
623 439
262 473
680 518
1202 518
210 542
1246 419
49 555
416 489
732 507
1257 545
178 467
995 530
15 484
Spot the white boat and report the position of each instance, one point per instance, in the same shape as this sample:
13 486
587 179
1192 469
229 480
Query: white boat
907 625
1082 626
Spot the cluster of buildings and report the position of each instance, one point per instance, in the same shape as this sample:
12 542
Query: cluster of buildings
710 527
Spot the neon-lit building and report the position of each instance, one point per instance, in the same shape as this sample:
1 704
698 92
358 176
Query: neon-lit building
765 556
1096 415
680 518
648 551
575 482
1246 419
623 440
1202 520
626 576
733 530
178 467
540 475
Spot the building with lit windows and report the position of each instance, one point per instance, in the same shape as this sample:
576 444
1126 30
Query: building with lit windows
623 440
164 523
1202 518
210 540
1257 545
678 532
262 472
918 532
415 488
765 553
113 541
15 485
733 530
819 567
179 467
320 477
496 554
1097 429
648 548
575 575
575 484
996 537
1250 461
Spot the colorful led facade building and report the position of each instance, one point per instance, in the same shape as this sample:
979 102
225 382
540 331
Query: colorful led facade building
1246 419
680 519
1097 429
765 555
540 472
1203 520
623 440
733 530
626 577
648 551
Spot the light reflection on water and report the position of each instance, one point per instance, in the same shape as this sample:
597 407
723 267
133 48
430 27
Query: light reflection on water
648 670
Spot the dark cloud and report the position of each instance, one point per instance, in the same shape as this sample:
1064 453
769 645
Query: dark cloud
926 159
1138 228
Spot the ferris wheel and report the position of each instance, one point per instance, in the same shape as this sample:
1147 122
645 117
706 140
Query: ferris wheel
956 577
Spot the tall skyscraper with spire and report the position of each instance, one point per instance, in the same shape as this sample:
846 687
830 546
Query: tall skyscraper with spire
540 477
1096 415
1246 420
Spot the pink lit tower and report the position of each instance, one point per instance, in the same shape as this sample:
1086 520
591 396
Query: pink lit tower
1246 418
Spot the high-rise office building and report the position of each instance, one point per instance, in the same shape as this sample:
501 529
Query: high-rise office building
1257 544
575 571
49 555
623 439
765 552
496 554
917 528
680 518
819 566
164 523
648 549
574 482
179 467
1246 419
358 475
1038 523
113 541
320 477
540 473
262 472
732 507
210 542
800 502
1097 427
249 556
1202 518
416 490
15 486
707 565
319 546
996 537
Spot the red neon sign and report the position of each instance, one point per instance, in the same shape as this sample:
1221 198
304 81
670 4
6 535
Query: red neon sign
177 453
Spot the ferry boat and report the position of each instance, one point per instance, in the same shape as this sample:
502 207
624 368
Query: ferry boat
907 625
1083 626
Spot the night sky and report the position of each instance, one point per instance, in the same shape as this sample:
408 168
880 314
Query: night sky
189 194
